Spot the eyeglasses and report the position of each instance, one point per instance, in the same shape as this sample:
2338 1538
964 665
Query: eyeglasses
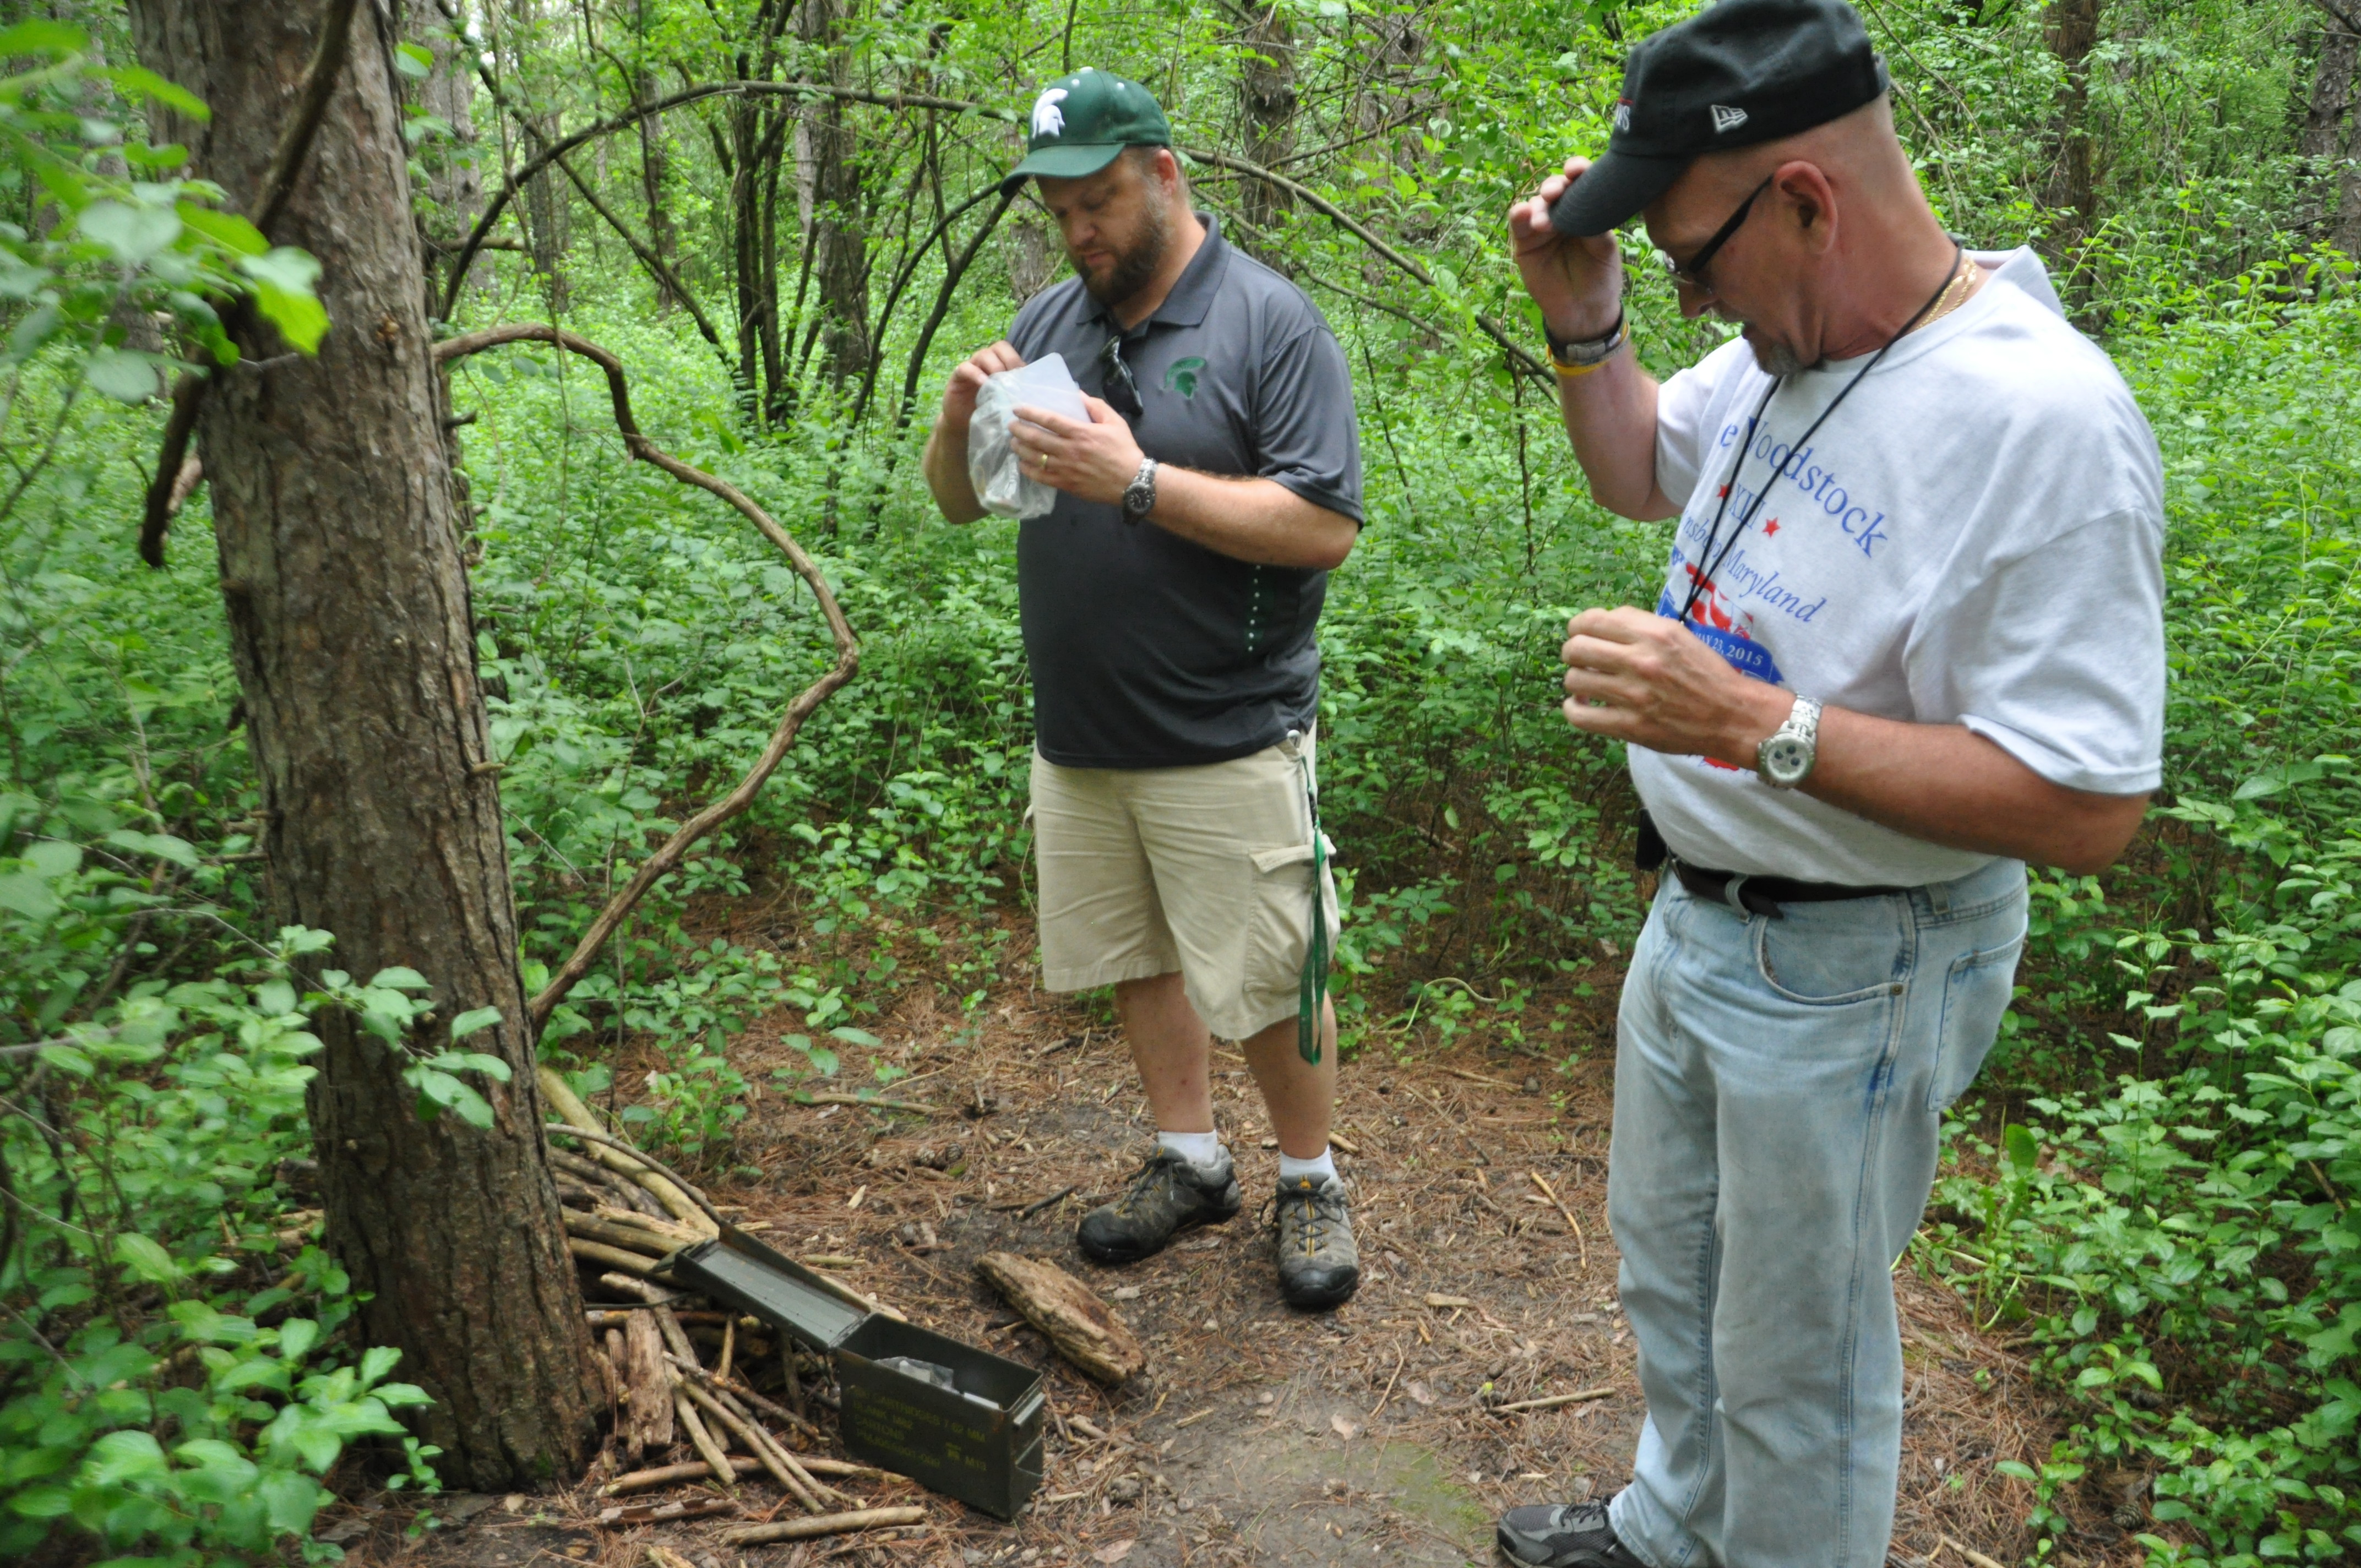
1123 393
1692 276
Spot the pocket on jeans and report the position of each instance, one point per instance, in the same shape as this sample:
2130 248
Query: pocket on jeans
1976 993
1278 929
1831 955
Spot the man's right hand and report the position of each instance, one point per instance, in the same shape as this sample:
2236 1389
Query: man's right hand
958 397
1579 283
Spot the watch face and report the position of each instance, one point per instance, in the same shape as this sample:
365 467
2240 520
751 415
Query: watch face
1786 759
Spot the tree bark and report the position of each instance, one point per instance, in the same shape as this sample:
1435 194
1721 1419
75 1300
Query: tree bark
352 635
1083 1329
2073 182
840 246
1266 102
2331 95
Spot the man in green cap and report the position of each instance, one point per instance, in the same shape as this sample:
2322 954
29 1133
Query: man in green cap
1169 600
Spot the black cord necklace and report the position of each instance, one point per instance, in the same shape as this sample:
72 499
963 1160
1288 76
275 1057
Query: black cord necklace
1700 579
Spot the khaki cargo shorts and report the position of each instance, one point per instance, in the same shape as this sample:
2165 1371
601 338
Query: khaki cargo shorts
1206 871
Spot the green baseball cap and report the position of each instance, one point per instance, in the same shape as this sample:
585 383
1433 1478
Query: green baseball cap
1081 122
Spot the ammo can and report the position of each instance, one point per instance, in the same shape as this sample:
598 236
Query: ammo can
978 1440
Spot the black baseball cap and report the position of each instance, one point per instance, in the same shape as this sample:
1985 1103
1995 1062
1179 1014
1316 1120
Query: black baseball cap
1738 73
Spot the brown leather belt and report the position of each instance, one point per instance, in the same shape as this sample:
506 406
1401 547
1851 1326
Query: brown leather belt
1764 895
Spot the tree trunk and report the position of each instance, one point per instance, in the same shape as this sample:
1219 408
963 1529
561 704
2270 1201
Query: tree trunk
455 185
2331 95
1267 100
840 247
2345 233
351 632
1028 248
2073 34
656 168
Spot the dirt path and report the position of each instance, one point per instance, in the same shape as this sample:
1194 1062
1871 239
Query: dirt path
1261 1435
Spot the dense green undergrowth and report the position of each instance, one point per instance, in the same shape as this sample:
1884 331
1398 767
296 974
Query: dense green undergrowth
2150 1193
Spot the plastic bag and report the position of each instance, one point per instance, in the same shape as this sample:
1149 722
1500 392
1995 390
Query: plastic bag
993 467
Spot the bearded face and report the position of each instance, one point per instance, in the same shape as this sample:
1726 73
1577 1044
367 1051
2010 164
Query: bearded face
1116 224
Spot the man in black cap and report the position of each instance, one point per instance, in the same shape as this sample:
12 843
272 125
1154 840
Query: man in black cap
1910 638
1169 600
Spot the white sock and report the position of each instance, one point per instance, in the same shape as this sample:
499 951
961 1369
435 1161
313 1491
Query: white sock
1202 1150
1319 1169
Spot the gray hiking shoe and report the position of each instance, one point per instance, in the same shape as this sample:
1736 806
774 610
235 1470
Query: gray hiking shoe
1319 1265
1168 1195
1563 1535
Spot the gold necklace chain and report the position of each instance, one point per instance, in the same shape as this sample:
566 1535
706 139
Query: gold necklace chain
1955 294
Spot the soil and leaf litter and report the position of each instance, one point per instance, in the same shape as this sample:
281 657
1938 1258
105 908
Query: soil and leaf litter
1483 1363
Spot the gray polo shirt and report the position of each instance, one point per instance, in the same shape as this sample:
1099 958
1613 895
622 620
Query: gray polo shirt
1149 650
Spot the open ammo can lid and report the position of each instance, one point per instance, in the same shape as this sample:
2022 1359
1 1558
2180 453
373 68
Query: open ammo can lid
777 1289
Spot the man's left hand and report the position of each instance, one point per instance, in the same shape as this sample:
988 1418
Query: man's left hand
1093 462
1648 680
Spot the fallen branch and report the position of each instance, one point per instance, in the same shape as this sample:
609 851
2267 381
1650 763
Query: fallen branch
848 651
789 1481
1083 1329
613 1258
670 1189
664 1513
826 1524
830 1097
669 1475
1551 1193
1552 1402
1977 1558
702 1440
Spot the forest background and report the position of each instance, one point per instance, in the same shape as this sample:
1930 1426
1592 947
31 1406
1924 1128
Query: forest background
2150 1190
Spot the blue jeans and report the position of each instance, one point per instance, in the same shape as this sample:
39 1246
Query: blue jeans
1779 1085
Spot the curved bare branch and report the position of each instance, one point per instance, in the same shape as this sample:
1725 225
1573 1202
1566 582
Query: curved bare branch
848 651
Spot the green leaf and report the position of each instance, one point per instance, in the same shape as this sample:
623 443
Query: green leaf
27 895
124 376
853 1037
401 976
55 40
296 1338
474 1021
301 320
121 1457
2024 1153
225 229
137 81
413 62
145 1259
54 858
133 234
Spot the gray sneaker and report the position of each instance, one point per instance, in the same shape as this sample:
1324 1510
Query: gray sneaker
1167 1195
1563 1535
1319 1265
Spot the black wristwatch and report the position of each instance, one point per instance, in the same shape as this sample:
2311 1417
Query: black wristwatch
1139 496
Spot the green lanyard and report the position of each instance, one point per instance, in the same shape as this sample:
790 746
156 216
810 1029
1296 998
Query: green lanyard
1311 990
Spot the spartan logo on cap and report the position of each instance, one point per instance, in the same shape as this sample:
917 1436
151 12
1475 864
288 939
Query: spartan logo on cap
1048 120
1725 119
1622 115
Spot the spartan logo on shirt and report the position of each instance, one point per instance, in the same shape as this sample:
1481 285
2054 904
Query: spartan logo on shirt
1181 376
1048 120
1727 119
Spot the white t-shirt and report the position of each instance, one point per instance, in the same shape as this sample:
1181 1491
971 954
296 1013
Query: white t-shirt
1975 537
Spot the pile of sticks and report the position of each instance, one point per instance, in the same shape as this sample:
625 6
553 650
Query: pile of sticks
624 1216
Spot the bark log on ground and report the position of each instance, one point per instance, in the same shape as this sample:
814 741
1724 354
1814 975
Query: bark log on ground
1083 1329
351 632
647 1388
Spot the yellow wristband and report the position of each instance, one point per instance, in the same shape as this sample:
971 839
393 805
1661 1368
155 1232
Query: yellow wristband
1573 372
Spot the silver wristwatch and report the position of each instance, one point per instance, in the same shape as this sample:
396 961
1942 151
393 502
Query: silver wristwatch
1785 760
1139 496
